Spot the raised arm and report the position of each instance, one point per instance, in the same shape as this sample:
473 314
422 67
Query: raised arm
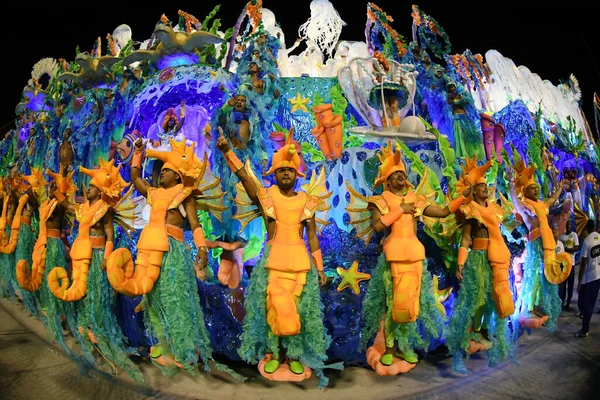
315 249
238 168
136 169
557 193
513 191
438 212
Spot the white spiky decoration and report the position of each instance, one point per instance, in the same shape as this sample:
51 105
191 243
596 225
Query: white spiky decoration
323 27
44 66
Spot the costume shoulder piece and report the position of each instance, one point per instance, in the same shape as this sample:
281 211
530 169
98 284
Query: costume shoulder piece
208 195
359 210
317 204
246 210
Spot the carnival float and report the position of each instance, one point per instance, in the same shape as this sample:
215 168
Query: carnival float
345 116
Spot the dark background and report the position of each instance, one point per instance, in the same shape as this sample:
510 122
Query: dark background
553 41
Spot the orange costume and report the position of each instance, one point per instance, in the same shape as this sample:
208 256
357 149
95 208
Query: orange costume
538 289
110 183
401 275
285 276
484 299
173 312
30 277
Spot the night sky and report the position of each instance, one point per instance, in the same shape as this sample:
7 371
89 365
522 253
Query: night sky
552 41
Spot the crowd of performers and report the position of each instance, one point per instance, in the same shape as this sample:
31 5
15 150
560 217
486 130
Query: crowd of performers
71 287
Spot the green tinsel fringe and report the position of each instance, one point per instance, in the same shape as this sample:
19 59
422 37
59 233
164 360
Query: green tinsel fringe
476 292
95 312
309 346
174 315
429 326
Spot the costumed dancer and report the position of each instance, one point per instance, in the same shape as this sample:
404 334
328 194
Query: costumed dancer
164 268
467 137
7 289
90 288
400 292
49 249
478 320
21 239
283 328
543 270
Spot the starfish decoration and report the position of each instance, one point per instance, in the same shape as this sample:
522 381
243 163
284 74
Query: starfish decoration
351 277
299 103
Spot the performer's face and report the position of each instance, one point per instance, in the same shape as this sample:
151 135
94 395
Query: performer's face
481 191
93 193
531 192
240 103
168 178
285 177
397 180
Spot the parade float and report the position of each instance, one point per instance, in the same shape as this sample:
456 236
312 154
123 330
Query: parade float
341 101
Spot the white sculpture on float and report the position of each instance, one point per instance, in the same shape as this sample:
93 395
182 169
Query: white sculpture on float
324 26
358 80
121 36
509 82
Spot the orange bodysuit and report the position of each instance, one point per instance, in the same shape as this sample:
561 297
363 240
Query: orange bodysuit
556 266
405 253
152 245
497 252
289 260
81 254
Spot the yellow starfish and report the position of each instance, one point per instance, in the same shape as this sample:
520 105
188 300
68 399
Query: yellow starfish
351 277
299 103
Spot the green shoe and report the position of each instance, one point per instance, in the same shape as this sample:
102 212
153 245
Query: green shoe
271 366
157 351
410 356
387 359
296 367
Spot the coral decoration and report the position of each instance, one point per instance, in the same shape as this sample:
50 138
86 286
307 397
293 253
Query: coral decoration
328 131
189 21
112 47
254 12
378 16
375 352
97 50
164 19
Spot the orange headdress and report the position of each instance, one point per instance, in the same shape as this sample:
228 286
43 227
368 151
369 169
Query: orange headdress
64 184
182 160
286 157
472 174
107 179
391 161
38 183
524 177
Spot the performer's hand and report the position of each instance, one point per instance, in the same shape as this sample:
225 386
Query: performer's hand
468 190
510 173
201 257
139 145
322 278
222 143
200 270
409 208
459 273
